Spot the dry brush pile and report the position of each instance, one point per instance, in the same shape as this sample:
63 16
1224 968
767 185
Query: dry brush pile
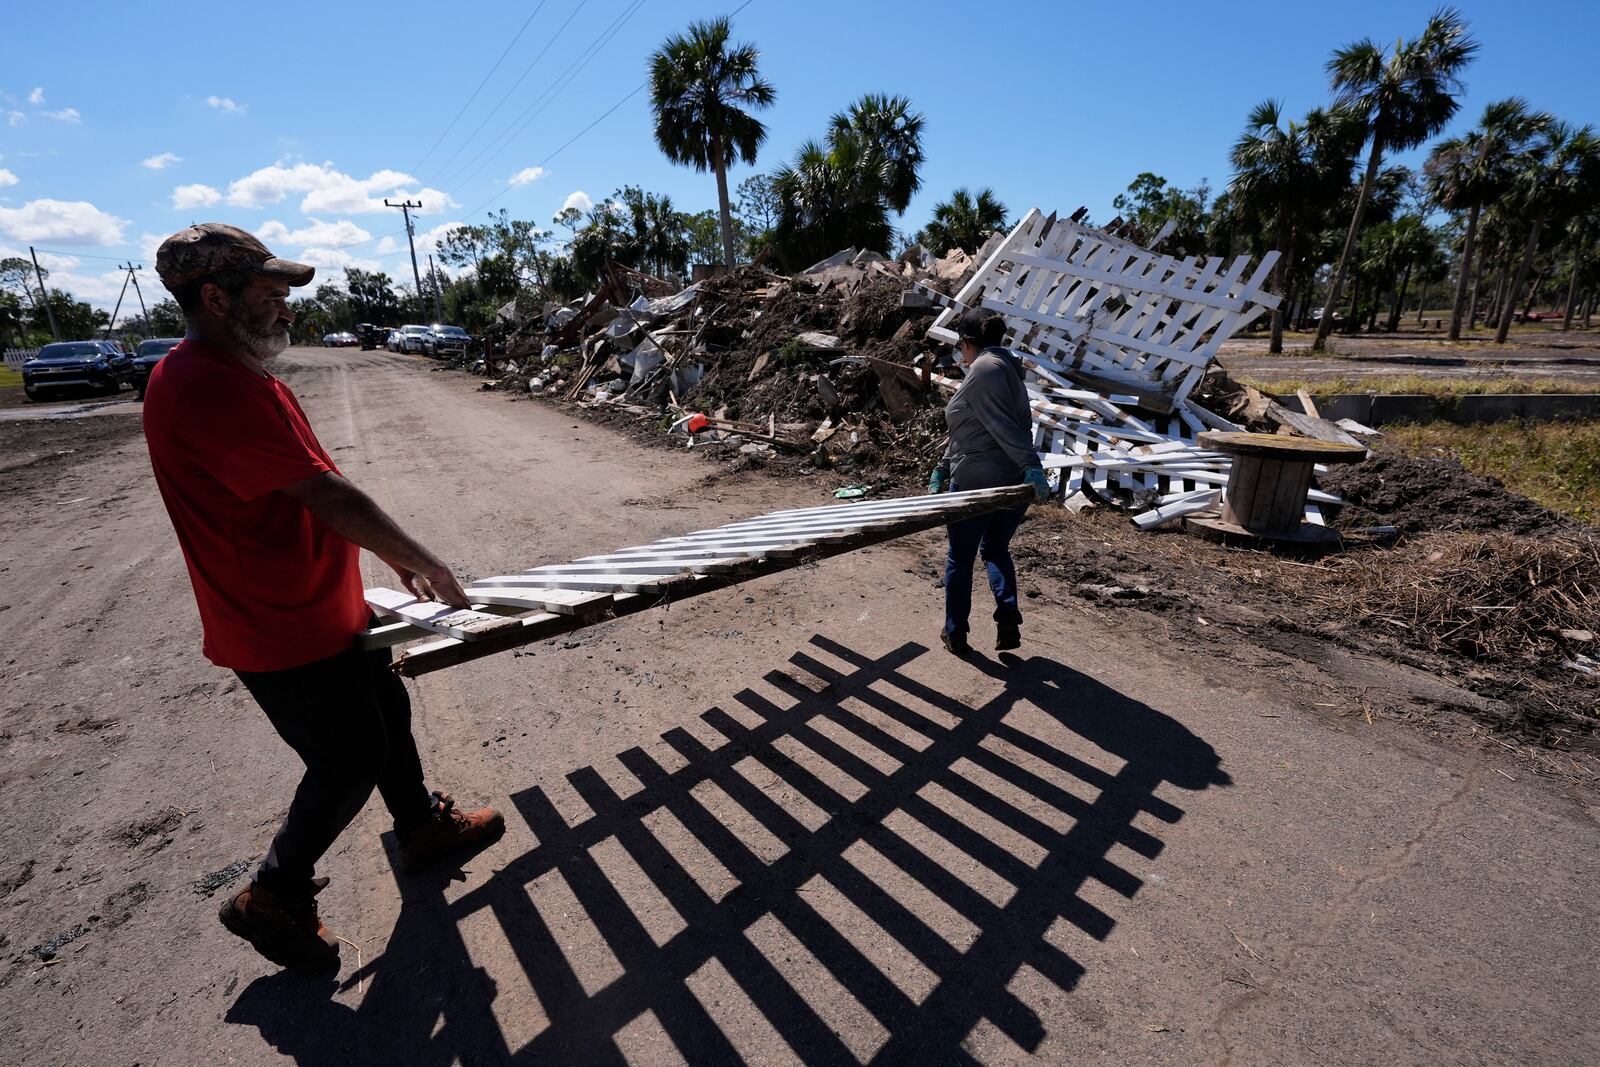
1500 598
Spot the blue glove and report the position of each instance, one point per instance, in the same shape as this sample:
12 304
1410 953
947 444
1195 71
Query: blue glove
1034 476
936 480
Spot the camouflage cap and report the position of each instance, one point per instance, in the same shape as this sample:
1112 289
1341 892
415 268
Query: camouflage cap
210 247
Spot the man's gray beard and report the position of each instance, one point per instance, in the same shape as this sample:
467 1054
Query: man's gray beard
265 345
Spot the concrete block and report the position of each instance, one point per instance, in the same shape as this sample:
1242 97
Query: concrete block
1405 407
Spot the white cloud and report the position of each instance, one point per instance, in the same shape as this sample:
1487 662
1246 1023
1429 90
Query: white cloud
7 178
526 176
388 246
343 232
61 221
578 199
50 261
148 245
36 97
227 104
161 162
326 190
429 240
99 286
335 259
68 115
15 118
197 195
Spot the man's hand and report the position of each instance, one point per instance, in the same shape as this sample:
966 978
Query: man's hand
433 583
936 480
354 516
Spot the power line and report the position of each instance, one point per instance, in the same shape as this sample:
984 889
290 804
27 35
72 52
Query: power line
499 142
603 115
479 89
80 255
501 103
604 37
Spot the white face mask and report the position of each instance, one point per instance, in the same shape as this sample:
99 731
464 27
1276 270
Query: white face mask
265 343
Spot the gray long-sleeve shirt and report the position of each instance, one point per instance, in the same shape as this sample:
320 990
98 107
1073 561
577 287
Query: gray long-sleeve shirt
991 424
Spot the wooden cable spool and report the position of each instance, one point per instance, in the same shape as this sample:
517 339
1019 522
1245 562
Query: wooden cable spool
1268 482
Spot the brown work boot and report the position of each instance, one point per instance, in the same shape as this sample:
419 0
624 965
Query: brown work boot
290 935
447 831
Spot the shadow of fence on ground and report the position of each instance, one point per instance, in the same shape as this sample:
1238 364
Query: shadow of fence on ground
856 868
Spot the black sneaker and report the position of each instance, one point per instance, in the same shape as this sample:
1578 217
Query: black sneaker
956 644
1007 635
290 935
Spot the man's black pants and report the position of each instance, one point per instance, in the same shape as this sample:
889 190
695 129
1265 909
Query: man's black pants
348 717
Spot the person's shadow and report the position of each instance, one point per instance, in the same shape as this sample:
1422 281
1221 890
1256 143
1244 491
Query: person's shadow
1045 739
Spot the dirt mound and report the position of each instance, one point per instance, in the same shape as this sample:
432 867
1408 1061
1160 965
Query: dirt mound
1391 488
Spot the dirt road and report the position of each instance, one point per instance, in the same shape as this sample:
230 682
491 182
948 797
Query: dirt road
776 824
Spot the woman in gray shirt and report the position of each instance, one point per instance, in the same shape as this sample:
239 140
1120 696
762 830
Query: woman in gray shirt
991 444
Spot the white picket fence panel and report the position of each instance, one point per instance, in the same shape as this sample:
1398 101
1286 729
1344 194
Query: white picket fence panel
1078 299
15 357
1108 307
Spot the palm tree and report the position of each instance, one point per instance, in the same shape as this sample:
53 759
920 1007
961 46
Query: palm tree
1284 172
1404 97
890 134
1555 168
1470 172
964 221
830 199
839 193
700 88
1394 251
1582 233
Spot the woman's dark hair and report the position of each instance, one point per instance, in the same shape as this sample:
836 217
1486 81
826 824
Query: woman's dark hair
982 327
231 282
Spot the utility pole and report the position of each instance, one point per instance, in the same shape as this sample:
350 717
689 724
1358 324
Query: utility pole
49 313
113 320
132 273
438 300
405 207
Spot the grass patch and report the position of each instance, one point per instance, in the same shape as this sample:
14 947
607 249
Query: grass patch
1554 463
1411 384
9 377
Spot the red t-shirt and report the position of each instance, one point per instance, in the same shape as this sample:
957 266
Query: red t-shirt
276 586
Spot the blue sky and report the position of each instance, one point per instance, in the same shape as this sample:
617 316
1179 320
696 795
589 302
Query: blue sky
122 123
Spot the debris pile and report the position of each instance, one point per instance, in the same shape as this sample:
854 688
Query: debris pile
845 366
832 366
821 367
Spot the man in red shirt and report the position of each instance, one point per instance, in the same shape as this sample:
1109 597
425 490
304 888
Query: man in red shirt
271 533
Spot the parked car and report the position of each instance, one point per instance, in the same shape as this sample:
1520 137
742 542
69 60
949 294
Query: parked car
414 338
341 339
146 356
99 365
371 336
447 341
392 343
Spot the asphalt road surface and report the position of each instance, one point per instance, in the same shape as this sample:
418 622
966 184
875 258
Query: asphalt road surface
774 824
1573 358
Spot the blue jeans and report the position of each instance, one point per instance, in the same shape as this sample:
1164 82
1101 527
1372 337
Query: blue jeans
988 535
